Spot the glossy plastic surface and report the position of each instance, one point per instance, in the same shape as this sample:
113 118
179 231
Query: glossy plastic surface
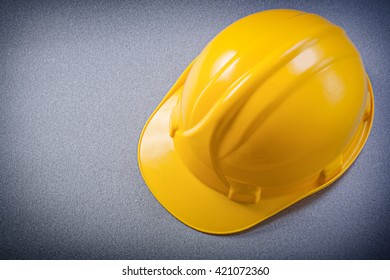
275 108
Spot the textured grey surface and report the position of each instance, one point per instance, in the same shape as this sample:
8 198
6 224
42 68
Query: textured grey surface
77 83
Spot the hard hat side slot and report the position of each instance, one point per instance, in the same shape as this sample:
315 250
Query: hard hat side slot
331 170
244 193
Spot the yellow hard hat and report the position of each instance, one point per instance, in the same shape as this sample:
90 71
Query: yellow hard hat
275 108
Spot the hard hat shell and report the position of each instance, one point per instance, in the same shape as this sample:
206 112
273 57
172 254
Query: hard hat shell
276 107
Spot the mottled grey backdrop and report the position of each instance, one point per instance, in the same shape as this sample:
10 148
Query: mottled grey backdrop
77 83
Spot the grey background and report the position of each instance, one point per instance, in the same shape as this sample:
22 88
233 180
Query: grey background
78 80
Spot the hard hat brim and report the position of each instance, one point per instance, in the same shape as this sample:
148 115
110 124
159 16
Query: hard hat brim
199 206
